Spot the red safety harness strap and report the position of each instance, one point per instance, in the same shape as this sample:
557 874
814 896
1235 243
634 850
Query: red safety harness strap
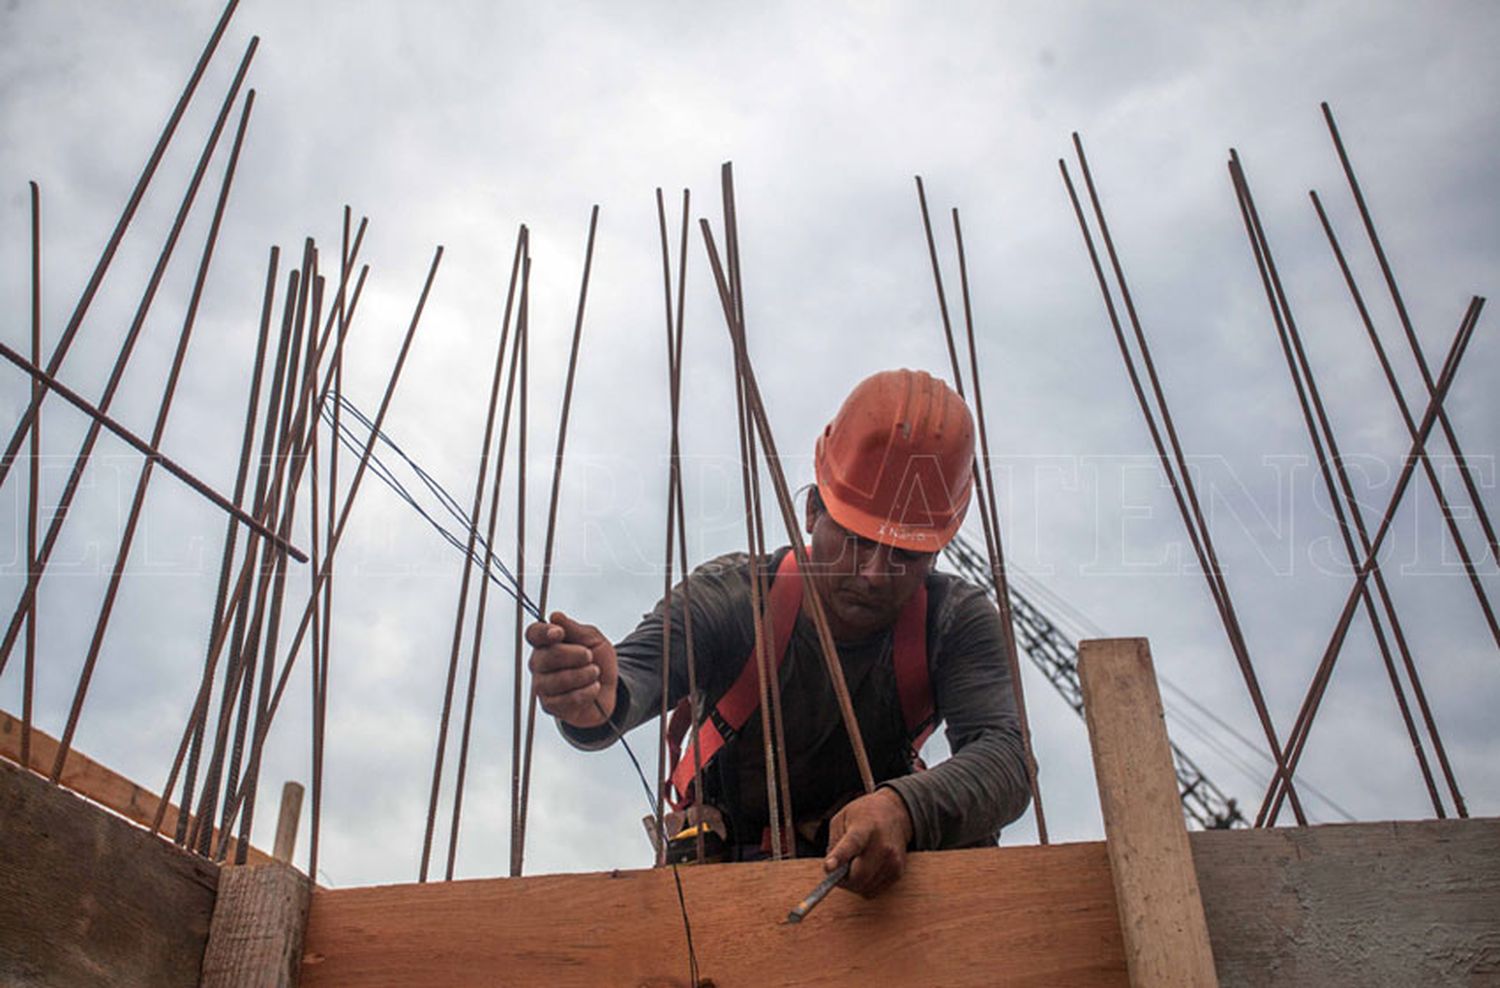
742 698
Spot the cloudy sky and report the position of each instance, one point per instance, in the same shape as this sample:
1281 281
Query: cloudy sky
452 123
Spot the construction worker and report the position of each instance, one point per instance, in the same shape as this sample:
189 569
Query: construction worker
917 647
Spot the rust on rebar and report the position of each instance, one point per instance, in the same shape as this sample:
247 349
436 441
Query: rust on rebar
240 654
551 536
1178 477
811 601
338 532
987 523
1347 513
1271 805
463 599
33 490
231 534
989 511
101 267
523 340
293 438
523 238
767 682
75 475
117 573
1411 336
1437 489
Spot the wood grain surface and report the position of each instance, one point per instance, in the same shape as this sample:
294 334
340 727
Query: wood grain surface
994 916
259 922
95 782
1161 912
87 899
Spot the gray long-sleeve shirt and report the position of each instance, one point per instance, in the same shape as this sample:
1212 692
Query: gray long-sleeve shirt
961 801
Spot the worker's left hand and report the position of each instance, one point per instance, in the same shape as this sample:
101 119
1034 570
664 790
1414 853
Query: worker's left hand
872 832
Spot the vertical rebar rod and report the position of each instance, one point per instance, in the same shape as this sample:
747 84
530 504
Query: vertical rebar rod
523 340
245 603
1471 568
275 453
1179 478
101 267
296 430
239 651
292 466
463 599
666 639
695 698
757 615
1271 805
1411 426
676 513
989 510
65 741
344 512
811 601
1411 335
127 348
231 535
316 701
288 432
523 237
320 714
986 523
767 679
33 492
1325 447
546 579
758 550
937 278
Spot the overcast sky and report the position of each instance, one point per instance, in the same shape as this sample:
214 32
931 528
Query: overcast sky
452 123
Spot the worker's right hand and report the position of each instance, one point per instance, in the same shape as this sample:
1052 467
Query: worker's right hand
573 670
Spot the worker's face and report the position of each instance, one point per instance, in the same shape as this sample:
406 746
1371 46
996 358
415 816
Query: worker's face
863 584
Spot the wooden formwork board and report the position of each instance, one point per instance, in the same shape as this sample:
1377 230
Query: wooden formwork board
99 784
1019 916
1379 905
88 899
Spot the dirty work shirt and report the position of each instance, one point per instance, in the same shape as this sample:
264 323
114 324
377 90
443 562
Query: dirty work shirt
962 801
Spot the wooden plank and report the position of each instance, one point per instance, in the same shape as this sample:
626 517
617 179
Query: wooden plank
1042 916
286 822
259 923
1380 905
87 899
1156 887
95 782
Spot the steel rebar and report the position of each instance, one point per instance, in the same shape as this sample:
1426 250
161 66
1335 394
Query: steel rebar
1271 805
65 741
344 513
1325 447
546 578
811 601
101 267
127 348
1411 336
231 534
463 598
1177 476
997 557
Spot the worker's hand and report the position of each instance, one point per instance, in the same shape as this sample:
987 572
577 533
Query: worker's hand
573 669
872 832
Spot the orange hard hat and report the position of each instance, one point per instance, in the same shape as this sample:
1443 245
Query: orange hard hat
896 463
